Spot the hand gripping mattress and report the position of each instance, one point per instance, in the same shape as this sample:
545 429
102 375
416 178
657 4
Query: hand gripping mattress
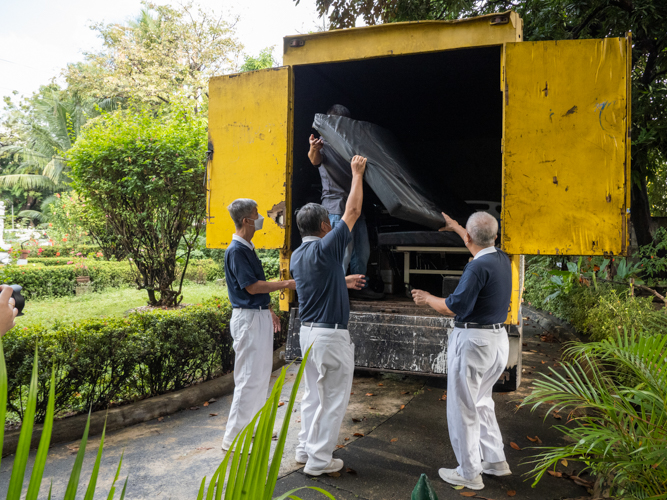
388 171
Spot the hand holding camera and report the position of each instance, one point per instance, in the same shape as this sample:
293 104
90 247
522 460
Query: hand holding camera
11 305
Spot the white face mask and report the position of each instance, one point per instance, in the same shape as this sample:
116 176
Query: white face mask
259 223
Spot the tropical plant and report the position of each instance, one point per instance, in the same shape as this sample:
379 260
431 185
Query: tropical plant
144 171
23 449
44 126
561 282
251 475
615 393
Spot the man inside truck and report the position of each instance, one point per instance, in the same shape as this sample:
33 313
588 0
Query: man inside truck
477 352
253 321
324 310
335 193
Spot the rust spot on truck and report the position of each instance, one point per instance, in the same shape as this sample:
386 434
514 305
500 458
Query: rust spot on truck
571 111
608 198
546 89
277 214
555 181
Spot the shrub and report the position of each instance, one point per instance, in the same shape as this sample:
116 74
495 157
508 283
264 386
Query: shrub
66 251
60 281
107 360
616 429
144 170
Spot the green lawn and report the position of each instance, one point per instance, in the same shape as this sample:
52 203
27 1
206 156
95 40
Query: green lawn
113 302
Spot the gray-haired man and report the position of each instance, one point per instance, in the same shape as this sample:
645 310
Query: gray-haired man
477 352
324 309
253 321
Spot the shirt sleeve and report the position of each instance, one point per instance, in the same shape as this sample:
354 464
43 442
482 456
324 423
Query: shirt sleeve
239 264
462 301
335 242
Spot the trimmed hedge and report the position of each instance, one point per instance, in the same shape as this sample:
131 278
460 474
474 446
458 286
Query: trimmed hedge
115 360
50 278
65 251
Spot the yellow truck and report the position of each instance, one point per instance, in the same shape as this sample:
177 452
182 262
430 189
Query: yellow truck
535 132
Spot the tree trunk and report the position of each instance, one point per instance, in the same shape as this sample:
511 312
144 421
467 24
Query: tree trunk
641 213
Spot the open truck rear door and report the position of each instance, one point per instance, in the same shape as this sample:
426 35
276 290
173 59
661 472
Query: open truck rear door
566 161
250 130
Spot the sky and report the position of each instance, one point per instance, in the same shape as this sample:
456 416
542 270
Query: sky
40 37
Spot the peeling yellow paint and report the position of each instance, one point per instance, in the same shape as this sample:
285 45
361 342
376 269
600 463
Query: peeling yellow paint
574 203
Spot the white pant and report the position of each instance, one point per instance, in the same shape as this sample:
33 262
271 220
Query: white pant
252 331
328 382
475 360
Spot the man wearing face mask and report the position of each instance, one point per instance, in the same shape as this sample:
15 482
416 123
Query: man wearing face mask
253 321
324 310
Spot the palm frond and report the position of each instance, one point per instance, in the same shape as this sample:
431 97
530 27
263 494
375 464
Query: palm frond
26 181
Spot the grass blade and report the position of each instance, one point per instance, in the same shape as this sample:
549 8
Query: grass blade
280 447
3 396
50 488
23 448
112 491
90 492
200 496
289 493
122 494
73 484
44 442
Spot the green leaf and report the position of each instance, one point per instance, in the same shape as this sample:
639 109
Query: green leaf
112 491
44 442
3 396
320 490
90 492
122 494
23 448
200 496
73 484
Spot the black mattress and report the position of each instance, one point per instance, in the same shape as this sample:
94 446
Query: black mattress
421 238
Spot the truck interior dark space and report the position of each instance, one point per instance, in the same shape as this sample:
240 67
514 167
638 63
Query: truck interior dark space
445 109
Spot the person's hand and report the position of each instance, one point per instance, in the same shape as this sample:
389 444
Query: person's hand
420 297
276 322
358 165
316 144
291 284
7 310
355 281
450 224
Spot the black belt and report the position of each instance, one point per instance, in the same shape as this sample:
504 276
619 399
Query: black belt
263 308
333 326
495 326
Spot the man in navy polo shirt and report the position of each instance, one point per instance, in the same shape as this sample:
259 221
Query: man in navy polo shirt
324 310
477 352
253 321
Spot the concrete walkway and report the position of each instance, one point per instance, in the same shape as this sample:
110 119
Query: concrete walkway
404 429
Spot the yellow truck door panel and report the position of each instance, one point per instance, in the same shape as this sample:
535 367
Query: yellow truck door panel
565 147
250 129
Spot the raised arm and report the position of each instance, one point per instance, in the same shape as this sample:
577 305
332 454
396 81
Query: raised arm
423 298
314 154
356 198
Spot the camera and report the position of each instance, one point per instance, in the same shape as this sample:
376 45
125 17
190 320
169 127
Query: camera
19 300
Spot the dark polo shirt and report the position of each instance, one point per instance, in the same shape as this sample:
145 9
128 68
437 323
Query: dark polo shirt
484 292
242 269
317 268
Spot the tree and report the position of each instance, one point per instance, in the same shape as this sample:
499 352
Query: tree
36 135
559 20
144 170
263 61
163 53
